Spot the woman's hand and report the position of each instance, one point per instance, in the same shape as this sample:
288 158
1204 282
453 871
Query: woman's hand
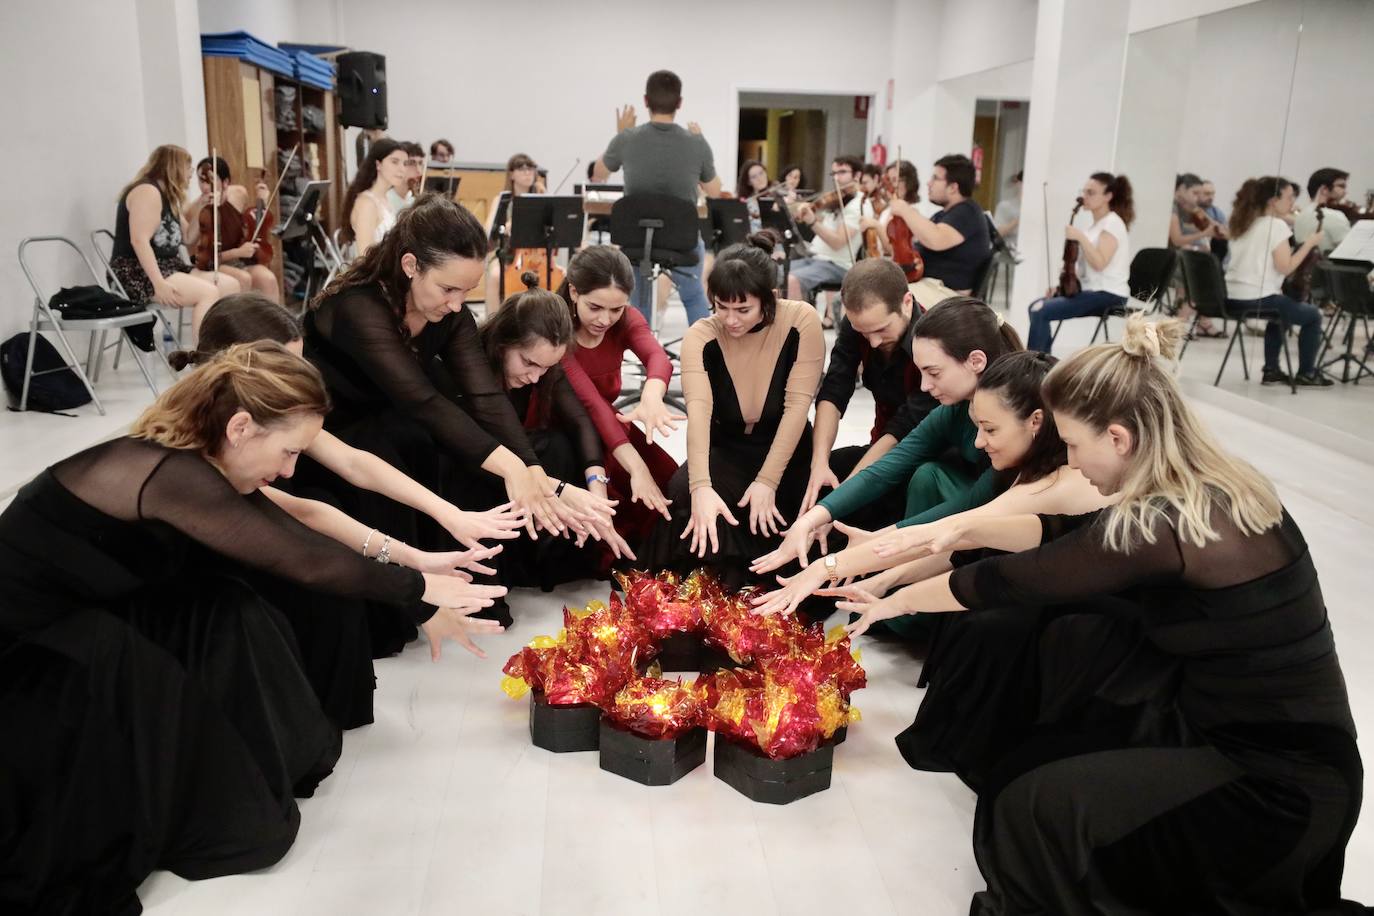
472 528
821 476
167 294
856 599
795 589
868 222
605 533
764 517
582 508
452 562
1074 234
451 623
707 506
244 252
645 491
457 592
655 416
795 543
531 494
935 537
857 536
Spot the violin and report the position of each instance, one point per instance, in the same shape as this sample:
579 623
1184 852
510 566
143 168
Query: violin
1199 217
904 253
1298 284
259 218
1069 284
221 226
877 200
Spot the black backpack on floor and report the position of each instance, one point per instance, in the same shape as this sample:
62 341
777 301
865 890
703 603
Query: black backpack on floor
54 391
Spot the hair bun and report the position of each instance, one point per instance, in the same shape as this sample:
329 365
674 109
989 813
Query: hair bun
180 359
530 279
765 240
1150 339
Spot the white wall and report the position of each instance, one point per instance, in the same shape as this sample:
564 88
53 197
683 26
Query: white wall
977 35
956 103
270 20
84 116
1150 14
551 88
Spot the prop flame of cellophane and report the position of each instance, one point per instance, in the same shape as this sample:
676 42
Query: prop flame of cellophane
794 695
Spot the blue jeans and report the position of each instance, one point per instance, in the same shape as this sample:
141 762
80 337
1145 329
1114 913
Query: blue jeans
688 283
1043 311
1304 316
812 272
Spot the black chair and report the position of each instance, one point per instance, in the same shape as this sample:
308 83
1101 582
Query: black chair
1347 287
1205 285
660 232
1152 273
982 279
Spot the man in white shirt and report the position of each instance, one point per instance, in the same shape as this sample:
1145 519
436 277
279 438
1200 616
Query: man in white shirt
1326 187
838 236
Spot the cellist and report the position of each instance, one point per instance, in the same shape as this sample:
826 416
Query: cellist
953 244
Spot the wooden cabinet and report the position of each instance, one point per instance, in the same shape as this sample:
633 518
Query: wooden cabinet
249 129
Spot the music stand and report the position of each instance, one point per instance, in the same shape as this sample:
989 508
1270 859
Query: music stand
776 215
546 221
444 184
727 222
303 224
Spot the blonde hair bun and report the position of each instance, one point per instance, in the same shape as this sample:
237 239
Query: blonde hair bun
1150 339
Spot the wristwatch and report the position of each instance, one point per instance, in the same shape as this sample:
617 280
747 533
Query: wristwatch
598 478
832 568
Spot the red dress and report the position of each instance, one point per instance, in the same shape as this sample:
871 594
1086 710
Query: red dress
594 374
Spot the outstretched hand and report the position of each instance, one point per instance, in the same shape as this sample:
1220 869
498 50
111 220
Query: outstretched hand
624 118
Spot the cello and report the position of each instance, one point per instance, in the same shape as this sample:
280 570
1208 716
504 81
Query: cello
1069 284
1298 284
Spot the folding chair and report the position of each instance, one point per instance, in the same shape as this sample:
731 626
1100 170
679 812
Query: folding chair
46 318
100 238
1205 285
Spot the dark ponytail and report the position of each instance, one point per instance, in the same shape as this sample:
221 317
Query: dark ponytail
1017 379
962 324
1123 198
237 319
747 269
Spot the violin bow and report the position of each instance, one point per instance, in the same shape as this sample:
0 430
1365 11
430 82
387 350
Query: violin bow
214 212
839 201
567 175
1045 203
273 196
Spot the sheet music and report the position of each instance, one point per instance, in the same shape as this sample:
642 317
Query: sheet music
1358 244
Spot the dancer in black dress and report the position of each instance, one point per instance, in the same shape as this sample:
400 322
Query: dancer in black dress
410 383
153 715
1240 794
749 374
525 342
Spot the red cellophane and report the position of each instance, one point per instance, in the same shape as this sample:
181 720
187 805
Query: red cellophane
656 708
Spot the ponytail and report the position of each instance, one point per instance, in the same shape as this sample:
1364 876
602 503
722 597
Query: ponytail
1123 198
962 324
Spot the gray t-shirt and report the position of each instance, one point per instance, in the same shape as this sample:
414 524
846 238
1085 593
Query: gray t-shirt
661 159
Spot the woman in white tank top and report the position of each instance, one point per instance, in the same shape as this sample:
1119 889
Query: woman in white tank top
370 217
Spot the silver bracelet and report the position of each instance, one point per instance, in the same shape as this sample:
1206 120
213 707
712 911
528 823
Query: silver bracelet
384 555
368 540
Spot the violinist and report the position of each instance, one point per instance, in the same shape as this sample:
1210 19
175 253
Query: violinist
751 184
149 228
415 177
237 251
1190 228
370 216
1207 202
835 218
792 179
1104 260
954 243
1327 189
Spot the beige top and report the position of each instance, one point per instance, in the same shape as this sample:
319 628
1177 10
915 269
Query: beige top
750 362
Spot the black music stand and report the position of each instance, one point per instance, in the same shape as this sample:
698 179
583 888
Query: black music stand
303 225
444 184
776 215
727 222
546 221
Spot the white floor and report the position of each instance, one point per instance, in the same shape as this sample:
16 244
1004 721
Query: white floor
443 806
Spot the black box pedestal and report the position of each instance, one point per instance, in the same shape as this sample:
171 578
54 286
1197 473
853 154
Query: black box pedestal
563 729
650 761
840 734
714 658
773 782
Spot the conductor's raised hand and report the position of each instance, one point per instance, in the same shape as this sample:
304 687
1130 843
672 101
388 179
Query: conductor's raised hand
624 118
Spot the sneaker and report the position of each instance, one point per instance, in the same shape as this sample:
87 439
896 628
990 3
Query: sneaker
1315 380
1275 377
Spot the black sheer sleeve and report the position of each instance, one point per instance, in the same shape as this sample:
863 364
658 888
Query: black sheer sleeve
184 491
363 329
483 395
1072 563
837 386
569 414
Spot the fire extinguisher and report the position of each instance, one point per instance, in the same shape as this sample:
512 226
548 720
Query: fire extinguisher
877 153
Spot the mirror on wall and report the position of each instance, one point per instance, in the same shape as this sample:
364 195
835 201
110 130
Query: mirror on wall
1273 88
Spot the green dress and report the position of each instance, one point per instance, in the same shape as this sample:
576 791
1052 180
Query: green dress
938 484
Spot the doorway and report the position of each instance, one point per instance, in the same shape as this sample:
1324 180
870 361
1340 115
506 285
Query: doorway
785 129
999 147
